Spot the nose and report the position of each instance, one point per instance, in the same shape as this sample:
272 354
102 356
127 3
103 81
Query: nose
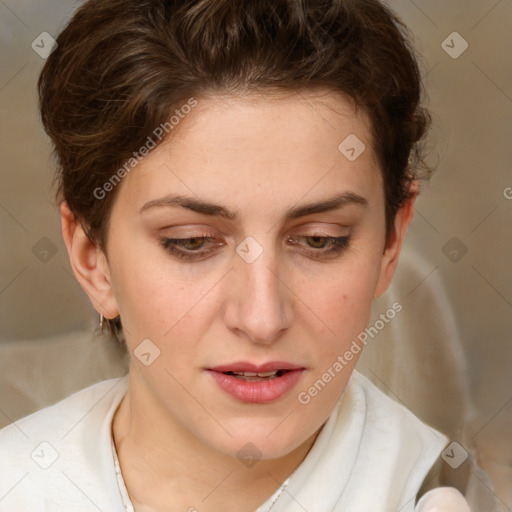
260 305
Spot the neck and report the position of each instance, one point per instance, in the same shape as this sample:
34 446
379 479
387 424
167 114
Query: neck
163 463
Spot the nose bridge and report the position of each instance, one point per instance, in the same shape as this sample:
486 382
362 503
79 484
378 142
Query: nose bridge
262 309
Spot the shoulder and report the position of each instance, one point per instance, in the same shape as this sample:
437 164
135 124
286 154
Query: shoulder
379 406
60 451
394 441
417 446
59 419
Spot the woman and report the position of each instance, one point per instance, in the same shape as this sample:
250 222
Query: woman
236 180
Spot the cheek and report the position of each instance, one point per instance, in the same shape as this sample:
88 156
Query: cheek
343 306
343 298
144 295
159 303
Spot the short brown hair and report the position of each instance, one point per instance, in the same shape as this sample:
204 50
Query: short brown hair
122 66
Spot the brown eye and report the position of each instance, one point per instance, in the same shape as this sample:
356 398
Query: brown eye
320 245
192 244
188 248
318 242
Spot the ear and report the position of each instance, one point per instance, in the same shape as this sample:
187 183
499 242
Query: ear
89 264
391 254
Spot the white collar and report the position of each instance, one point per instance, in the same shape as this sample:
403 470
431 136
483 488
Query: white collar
371 454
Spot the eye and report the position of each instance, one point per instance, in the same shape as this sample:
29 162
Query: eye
188 248
320 245
194 248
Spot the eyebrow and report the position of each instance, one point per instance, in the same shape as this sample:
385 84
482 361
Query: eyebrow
212 209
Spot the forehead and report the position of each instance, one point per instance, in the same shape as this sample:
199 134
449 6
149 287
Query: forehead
282 147
311 121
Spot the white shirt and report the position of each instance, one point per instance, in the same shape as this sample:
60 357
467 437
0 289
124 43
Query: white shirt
372 455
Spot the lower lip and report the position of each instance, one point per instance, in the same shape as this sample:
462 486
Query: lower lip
260 392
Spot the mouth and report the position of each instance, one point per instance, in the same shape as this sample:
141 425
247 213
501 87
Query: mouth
250 383
257 376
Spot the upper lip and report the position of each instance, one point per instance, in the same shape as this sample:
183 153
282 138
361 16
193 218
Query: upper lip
243 366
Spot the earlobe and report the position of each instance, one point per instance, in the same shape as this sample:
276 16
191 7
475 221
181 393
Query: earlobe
391 255
88 263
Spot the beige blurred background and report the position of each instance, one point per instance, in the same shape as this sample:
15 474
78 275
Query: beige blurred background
462 228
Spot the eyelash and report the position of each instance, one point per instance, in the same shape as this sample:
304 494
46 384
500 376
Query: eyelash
338 245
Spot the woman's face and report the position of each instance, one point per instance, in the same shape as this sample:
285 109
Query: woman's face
282 248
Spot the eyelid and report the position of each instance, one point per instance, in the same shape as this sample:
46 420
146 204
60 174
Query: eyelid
328 229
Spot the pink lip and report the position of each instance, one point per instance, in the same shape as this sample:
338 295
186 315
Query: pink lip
261 392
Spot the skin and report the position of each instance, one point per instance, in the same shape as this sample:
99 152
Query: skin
176 432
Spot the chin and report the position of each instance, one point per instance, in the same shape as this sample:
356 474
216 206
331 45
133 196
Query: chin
267 440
